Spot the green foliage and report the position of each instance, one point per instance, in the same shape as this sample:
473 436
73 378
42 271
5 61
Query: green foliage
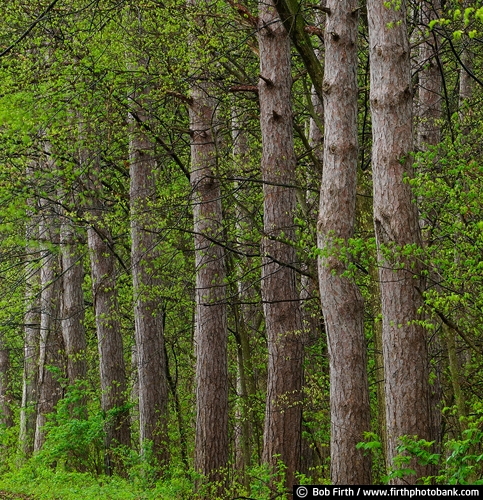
459 462
49 484
448 185
411 449
372 445
55 482
8 448
75 434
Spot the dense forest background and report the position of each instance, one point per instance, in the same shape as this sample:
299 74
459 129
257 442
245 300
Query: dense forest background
241 246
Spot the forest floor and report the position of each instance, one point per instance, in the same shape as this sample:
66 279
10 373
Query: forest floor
48 484
5 495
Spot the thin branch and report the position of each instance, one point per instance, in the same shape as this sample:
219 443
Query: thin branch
470 73
321 8
30 28
160 141
451 324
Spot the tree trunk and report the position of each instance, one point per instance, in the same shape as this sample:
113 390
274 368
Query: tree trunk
72 312
148 314
379 372
281 301
429 134
245 314
211 444
48 386
313 454
342 302
133 376
243 428
28 415
6 413
396 224
111 362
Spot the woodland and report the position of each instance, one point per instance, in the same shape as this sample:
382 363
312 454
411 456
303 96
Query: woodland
241 246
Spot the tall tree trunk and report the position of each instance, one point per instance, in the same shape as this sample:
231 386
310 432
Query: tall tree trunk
6 413
379 369
72 312
133 376
148 314
342 302
429 134
48 386
281 301
245 315
313 453
211 444
405 351
109 339
243 427
28 415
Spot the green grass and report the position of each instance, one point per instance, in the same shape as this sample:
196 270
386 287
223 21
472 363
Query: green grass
49 484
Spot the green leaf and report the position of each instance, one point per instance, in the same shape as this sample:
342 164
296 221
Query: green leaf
457 34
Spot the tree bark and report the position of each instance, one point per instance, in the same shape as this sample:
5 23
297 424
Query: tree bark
48 386
312 454
245 314
429 134
6 413
405 351
342 302
72 312
211 443
280 297
28 415
290 14
148 314
110 345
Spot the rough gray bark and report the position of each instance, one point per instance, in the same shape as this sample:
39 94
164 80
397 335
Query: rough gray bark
133 376
309 289
280 297
148 314
245 315
342 302
6 413
243 424
313 453
312 316
289 12
429 134
48 385
211 443
405 352
72 310
379 370
28 415
111 357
